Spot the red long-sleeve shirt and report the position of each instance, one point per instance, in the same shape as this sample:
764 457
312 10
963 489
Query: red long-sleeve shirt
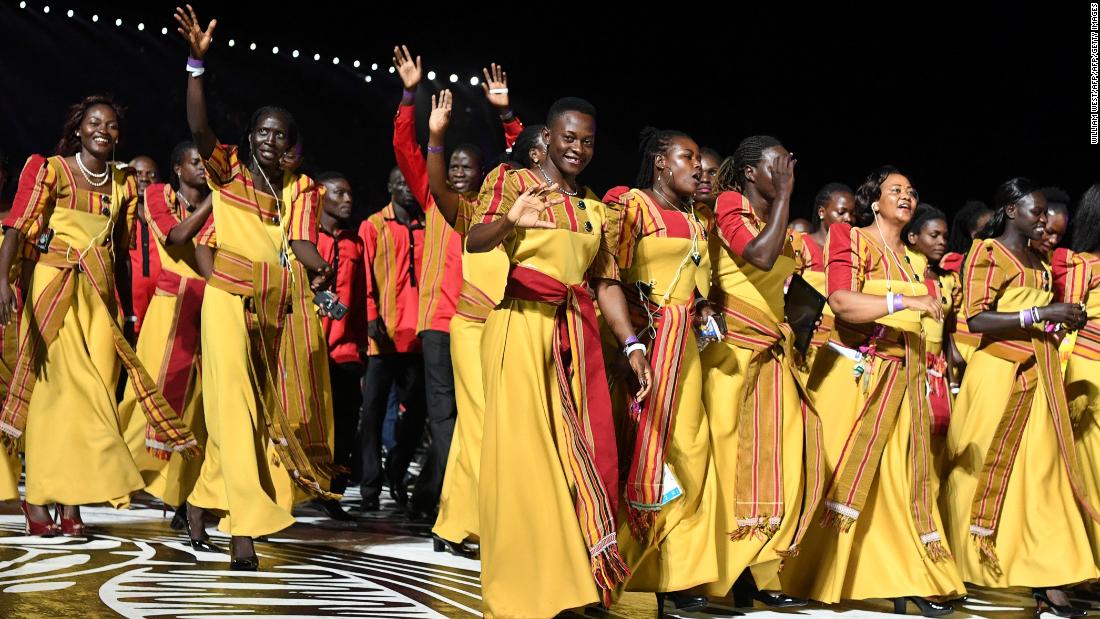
144 270
441 275
348 336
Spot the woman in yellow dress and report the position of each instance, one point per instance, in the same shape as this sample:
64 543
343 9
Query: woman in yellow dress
664 270
1014 498
762 429
549 470
1077 280
877 419
261 214
834 203
62 395
483 278
168 344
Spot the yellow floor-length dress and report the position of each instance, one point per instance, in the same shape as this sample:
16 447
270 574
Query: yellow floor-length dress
882 555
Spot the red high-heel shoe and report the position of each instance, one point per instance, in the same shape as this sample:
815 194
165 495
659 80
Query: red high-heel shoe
71 527
41 529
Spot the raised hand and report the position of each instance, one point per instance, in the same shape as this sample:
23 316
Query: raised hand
783 175
496 86
408 69
440 118
198 39
526 211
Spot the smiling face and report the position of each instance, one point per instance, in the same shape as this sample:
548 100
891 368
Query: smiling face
99 131
337 202
897 199
681 160
705 191
464 170
269 139
931 239
571 142
1054 231
145 173
1029 215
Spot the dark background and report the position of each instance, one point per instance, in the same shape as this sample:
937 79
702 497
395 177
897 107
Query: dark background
961 102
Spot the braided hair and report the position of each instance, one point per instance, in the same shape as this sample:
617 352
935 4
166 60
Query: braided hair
653 142
1086 222
1008 193
69 144
750 152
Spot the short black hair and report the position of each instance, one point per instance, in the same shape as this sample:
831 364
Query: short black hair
925 213
569 104
292 133
707 151
330 175
965 225
870 191
529 138
1058 200
823 196
176 158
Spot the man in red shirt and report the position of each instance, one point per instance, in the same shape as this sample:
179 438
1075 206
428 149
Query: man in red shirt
393 241
347 338
144 259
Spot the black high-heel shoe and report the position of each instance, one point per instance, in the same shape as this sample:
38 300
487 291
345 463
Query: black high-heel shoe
1061 610
681 600
245 564
744 599
928 608
440 545
179 518
201 545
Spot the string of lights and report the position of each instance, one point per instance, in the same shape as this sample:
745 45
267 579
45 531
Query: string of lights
253 46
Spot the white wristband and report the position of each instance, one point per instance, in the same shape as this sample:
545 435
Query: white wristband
498 91
632 347
195 71
889 303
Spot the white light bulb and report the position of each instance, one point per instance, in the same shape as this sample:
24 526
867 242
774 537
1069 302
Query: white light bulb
70 13
275 50
473 81
22 5
335 61
252 47
454 78
95 18
355 64
368 79
374 66
141 26
164 31
431 75
294 53
392 69
317 56
118 22
46 9
232 42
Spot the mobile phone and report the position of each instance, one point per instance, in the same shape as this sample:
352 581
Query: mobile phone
330 304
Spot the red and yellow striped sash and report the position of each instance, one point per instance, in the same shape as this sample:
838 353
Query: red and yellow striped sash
169 432
902 374
473 303
1040 365
758 482
654 418
588 424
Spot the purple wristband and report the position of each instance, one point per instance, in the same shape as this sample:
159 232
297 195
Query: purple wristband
438 150
898 303
631 340
408 95
194 63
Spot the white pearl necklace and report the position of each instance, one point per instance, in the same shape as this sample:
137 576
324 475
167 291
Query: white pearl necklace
95 179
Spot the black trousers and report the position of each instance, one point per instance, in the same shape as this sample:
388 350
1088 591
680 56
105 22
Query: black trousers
347 398
405 372
442 410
